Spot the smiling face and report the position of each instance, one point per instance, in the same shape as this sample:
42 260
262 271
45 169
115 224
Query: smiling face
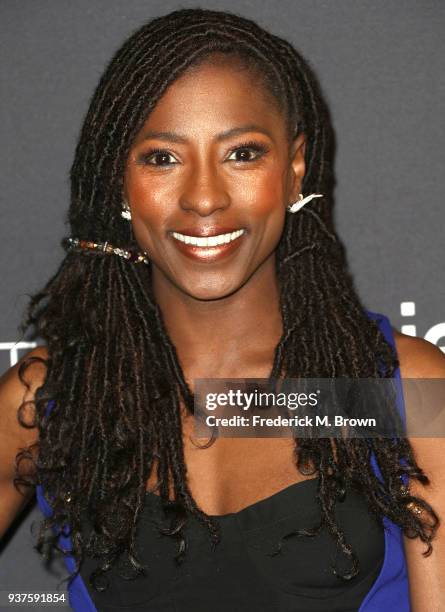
212 159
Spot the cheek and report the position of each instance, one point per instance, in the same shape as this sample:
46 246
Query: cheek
267 209
139 186
150 200
265 194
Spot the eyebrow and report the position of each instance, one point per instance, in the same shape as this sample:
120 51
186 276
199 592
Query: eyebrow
173 137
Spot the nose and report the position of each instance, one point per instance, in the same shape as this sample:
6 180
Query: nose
204 191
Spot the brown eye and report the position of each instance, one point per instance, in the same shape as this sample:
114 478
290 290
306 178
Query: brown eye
244 154
245 151
160 155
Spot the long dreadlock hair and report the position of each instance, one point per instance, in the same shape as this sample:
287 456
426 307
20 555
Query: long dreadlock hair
112 369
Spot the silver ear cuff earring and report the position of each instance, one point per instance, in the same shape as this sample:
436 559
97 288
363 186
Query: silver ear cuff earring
126 212
293 208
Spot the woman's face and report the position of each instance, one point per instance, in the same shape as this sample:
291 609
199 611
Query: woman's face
223 169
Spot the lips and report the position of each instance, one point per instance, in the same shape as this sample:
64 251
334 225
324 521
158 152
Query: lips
209 230
208 254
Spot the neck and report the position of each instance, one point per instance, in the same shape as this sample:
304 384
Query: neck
215 338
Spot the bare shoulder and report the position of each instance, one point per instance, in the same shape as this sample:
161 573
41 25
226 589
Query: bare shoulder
418 358
14 390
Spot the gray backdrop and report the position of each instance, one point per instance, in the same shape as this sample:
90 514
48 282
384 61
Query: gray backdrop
380 64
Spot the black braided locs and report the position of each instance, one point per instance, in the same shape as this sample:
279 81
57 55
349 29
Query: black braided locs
112 369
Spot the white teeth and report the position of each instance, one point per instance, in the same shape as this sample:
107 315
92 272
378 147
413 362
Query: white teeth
208 241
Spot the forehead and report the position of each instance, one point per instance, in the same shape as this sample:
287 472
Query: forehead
214 97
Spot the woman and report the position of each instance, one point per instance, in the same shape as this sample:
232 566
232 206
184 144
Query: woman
203 125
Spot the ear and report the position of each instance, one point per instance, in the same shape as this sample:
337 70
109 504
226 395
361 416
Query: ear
297 166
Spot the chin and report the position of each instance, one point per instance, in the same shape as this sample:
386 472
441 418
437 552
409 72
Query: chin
210 292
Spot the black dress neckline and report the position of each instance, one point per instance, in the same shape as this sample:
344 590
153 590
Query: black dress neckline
274 501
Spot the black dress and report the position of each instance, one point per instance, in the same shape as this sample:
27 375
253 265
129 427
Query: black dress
241 573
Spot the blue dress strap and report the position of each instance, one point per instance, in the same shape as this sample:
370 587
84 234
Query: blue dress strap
78 595
386 328
390 591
